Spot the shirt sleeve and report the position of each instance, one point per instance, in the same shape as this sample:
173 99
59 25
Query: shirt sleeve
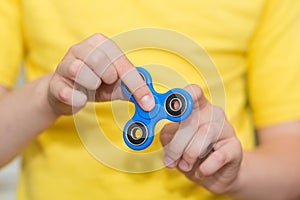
11 45
274 64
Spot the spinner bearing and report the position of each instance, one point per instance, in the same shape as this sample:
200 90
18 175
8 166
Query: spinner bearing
175 105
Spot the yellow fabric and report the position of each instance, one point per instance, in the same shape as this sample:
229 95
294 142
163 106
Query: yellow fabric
254 44
11 42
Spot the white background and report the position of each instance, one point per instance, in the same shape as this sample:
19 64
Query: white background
8 180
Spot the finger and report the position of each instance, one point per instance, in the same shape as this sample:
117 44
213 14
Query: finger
167 133
89 52
208 112
135 83
97 58
198 97
98 61
111 92
110 75
203 116
79 72
207 136
64 93
102 54
199 147
128 74
175 149
228 152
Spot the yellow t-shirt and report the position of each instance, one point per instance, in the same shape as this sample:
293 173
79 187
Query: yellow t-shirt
255 48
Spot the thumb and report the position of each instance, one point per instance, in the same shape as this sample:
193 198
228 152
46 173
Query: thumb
167 133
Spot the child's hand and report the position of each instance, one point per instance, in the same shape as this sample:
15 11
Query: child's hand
92 70
204 146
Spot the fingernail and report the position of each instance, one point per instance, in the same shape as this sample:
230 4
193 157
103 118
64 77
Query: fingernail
169 162
78 98
184 166
198 175
147 102
74 68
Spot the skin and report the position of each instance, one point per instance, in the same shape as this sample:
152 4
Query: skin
208 152
87 68
53 95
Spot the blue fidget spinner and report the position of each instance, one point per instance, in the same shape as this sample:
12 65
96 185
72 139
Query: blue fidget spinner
175 105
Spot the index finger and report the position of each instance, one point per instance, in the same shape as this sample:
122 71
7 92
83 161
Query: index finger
128 74
188 128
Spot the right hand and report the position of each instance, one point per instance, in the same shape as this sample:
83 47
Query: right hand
95 66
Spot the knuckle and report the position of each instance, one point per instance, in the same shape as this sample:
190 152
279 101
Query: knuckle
217 110
53 82
220 157
210 131
59 67
113 77
73 49
217 189
71 71
173 151
51 86
63 94
190 156
100 54
231 130
123 65
109 76
236 144
206 127
95 39
196 91
218 114
99 36
96 58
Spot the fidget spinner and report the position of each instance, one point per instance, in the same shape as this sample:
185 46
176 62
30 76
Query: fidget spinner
174 105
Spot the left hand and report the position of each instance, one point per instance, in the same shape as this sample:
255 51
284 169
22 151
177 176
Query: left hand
204 147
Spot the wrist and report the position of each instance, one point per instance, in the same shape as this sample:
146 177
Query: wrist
41 93
236 186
